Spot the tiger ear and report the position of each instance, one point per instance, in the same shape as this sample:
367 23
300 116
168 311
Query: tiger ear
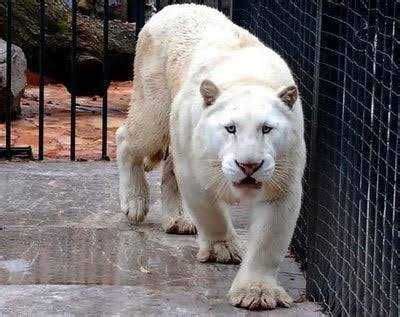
289 95
209 91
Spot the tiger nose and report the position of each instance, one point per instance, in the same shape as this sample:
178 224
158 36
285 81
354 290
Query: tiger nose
249 168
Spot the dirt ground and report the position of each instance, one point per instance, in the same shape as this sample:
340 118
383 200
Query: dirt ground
57 121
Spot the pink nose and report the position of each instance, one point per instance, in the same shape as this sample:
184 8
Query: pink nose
249 168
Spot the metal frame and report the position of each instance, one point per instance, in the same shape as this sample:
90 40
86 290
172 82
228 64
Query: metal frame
10 151
136 13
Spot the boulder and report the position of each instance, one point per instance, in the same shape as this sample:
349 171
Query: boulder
26 34
18 79
118 8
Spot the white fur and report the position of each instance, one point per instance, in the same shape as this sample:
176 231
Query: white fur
177 49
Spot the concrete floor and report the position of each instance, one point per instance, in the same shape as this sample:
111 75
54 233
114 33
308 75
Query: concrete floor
65 249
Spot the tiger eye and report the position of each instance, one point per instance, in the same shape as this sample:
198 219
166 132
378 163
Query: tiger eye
231 129
266 129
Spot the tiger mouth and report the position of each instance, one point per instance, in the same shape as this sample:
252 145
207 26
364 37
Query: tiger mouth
248 182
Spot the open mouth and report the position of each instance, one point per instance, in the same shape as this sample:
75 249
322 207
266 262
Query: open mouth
248 182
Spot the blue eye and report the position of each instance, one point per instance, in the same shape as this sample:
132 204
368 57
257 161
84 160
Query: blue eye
266 129
231 128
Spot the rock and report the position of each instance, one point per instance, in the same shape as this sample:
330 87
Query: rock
26 34
118 8
18 79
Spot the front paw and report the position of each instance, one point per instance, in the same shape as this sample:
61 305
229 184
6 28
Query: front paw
136 210
224 251
259 296
179 224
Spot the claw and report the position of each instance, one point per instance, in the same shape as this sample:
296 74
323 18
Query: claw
221 252
260 296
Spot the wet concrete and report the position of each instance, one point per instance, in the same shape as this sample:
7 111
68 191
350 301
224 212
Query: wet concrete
66 249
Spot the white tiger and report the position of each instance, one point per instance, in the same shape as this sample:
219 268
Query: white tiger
228 110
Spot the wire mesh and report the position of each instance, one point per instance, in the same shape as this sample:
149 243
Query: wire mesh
345 57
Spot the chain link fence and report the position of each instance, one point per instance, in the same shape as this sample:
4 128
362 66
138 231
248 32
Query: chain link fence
345 56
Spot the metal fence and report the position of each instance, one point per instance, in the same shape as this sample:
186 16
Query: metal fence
345 56
136 14
346 59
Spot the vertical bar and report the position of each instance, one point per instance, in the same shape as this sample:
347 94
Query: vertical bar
312 274
219 5
394 144
365 97
372 174
73 80
388 182
8 79
339 165
41 79
136 14
131 11
369 160
158 5
352 140
105 81
395 258
348 164
239 16
379 147
140 15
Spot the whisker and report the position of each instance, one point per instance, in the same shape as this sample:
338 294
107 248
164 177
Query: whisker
215 178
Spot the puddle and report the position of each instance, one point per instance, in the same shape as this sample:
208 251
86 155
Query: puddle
66 256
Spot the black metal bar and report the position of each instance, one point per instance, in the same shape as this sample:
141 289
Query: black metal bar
390 251
105 81
158 5
311 287
239 12
140 15
395 258
365 97
394 161
73 79
372 173
219 5
381 112
131 11
41 79
8 79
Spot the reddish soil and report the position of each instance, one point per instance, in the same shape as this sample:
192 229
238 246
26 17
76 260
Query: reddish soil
57 121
